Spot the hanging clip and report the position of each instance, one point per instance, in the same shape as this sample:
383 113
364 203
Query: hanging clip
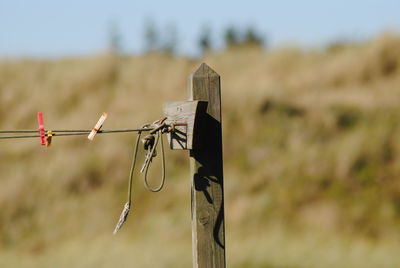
98 126
49 137
41 128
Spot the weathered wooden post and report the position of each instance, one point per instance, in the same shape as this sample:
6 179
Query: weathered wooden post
197 127
206 172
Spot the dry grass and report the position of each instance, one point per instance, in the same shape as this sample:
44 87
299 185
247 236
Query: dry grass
310 148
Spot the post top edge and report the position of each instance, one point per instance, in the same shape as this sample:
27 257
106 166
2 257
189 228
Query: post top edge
204 69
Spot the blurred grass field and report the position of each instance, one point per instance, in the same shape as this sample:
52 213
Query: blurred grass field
311 159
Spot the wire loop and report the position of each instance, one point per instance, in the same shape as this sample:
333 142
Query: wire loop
150 144
151 152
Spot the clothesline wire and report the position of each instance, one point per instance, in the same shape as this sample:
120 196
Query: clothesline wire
63 133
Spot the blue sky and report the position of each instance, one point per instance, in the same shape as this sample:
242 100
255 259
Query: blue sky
80 27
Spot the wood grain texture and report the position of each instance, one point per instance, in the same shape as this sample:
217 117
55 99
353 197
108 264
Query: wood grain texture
182 112
208 230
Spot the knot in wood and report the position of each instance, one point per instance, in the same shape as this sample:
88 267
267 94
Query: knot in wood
204 216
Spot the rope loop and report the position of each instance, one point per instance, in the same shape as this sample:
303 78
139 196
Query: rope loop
150 143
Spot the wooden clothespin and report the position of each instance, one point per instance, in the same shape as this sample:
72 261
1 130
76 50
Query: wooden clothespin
98 126
49 138
41 128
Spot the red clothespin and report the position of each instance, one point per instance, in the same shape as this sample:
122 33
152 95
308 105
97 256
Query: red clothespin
41 128
97 127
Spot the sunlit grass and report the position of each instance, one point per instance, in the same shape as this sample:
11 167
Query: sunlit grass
311 160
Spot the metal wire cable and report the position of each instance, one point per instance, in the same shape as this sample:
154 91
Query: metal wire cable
19 137
17 131
75 130
63 133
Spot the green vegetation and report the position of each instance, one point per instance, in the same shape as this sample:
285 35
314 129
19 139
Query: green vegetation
311 157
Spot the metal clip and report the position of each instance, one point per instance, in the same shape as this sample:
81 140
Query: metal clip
49 138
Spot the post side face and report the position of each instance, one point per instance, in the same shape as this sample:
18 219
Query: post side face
183 114
208 230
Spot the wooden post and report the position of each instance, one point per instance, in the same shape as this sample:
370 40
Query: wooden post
206 173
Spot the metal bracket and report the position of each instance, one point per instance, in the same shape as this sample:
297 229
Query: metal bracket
183 114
